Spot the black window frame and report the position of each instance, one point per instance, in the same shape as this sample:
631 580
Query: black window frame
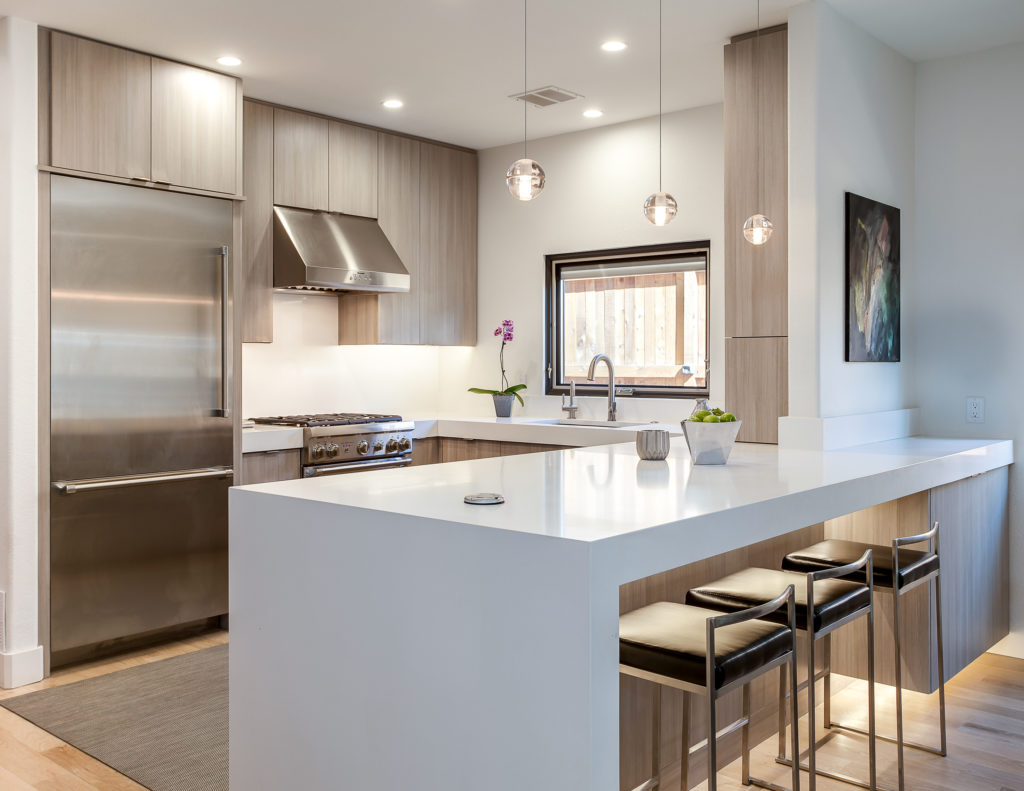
655 253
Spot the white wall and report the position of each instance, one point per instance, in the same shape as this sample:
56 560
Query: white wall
851 125
304 369
597 183
970 275
21 661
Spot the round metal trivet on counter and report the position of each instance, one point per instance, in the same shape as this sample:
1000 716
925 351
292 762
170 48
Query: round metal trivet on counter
484 498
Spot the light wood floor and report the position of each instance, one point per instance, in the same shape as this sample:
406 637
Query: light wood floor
985 720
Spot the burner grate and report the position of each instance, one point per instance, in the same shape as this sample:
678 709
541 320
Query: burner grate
328 419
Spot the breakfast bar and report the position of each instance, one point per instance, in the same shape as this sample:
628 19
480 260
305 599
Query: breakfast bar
465 646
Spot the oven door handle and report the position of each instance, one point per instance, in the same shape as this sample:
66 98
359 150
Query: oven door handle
349 466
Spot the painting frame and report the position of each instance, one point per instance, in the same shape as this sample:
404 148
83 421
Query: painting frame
872 281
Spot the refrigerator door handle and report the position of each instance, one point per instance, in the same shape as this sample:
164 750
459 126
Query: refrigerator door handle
120 481
225 334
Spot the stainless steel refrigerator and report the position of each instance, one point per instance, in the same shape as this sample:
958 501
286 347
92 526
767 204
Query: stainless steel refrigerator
140 424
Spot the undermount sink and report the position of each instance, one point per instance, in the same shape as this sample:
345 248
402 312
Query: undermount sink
602 423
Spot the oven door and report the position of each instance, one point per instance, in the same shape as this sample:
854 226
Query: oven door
318 470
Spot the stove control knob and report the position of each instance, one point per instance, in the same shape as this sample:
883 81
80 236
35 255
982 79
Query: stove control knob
317 451
362 448
405 443
392 445
378 446
332 449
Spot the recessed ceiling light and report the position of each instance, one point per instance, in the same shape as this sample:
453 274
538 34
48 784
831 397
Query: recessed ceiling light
592 113
613 46
392 104
229 60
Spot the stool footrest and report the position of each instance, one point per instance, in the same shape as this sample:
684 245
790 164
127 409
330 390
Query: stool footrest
703 743
890 739
832 775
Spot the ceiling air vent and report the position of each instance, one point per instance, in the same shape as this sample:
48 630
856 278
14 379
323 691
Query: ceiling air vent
547 96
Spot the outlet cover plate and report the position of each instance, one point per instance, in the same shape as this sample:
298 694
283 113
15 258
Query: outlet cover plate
975 409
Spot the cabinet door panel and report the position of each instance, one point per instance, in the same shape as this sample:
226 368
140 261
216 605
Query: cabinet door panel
398 181
455 449
270 466
300 160
195 127
448 228
257 225
352 184
757 385
99 108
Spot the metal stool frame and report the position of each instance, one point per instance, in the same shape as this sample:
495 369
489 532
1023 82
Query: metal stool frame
711 695
865 562
932 537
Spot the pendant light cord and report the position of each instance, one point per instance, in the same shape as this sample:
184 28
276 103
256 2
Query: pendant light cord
759 99
525 103
659 94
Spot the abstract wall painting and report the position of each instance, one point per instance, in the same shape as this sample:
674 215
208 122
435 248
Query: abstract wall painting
872 281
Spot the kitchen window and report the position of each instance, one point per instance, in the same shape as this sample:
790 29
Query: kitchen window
645 307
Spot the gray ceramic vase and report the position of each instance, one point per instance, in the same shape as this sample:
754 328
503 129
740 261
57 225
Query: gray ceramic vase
503 405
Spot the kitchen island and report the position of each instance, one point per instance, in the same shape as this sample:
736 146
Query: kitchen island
387 635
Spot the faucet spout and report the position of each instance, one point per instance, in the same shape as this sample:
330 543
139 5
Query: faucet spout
612 406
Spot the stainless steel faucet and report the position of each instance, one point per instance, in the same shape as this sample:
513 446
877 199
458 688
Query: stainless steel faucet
572 407
612 407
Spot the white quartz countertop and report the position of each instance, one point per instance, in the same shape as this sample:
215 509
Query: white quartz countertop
540 431
258 439
596 493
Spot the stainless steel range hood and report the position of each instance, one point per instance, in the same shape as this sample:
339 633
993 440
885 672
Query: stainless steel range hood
334 252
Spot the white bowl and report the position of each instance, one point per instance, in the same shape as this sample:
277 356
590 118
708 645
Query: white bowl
710 443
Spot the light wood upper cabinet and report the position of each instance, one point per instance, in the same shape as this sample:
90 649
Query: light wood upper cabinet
99 108
195 127
300 160
352 180
756 295
398 212
258 225
448 229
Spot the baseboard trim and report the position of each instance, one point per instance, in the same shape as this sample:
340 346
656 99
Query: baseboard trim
833 433
18 668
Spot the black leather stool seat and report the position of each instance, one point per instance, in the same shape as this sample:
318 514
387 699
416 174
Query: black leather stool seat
834 552
833 599
670 639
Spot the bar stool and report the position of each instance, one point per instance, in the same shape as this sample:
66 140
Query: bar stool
702 652
897 570
834 603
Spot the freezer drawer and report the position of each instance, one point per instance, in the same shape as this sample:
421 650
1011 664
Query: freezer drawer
130 559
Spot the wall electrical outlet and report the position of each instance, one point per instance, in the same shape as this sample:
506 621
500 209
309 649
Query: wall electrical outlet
975 409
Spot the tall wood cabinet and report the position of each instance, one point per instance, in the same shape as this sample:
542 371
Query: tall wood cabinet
117 113
756 282
257 270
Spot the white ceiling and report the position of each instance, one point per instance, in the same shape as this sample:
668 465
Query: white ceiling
454 62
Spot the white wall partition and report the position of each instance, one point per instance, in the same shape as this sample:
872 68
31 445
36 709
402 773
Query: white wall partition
851 121
21 659
970 274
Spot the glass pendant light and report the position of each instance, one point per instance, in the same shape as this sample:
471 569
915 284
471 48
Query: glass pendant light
660 208
758 229
525 179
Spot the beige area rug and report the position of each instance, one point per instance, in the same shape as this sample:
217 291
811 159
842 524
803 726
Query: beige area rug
165 724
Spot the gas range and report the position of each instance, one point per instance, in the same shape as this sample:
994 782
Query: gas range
349 442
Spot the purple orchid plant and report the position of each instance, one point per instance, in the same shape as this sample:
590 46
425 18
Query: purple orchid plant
507 334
